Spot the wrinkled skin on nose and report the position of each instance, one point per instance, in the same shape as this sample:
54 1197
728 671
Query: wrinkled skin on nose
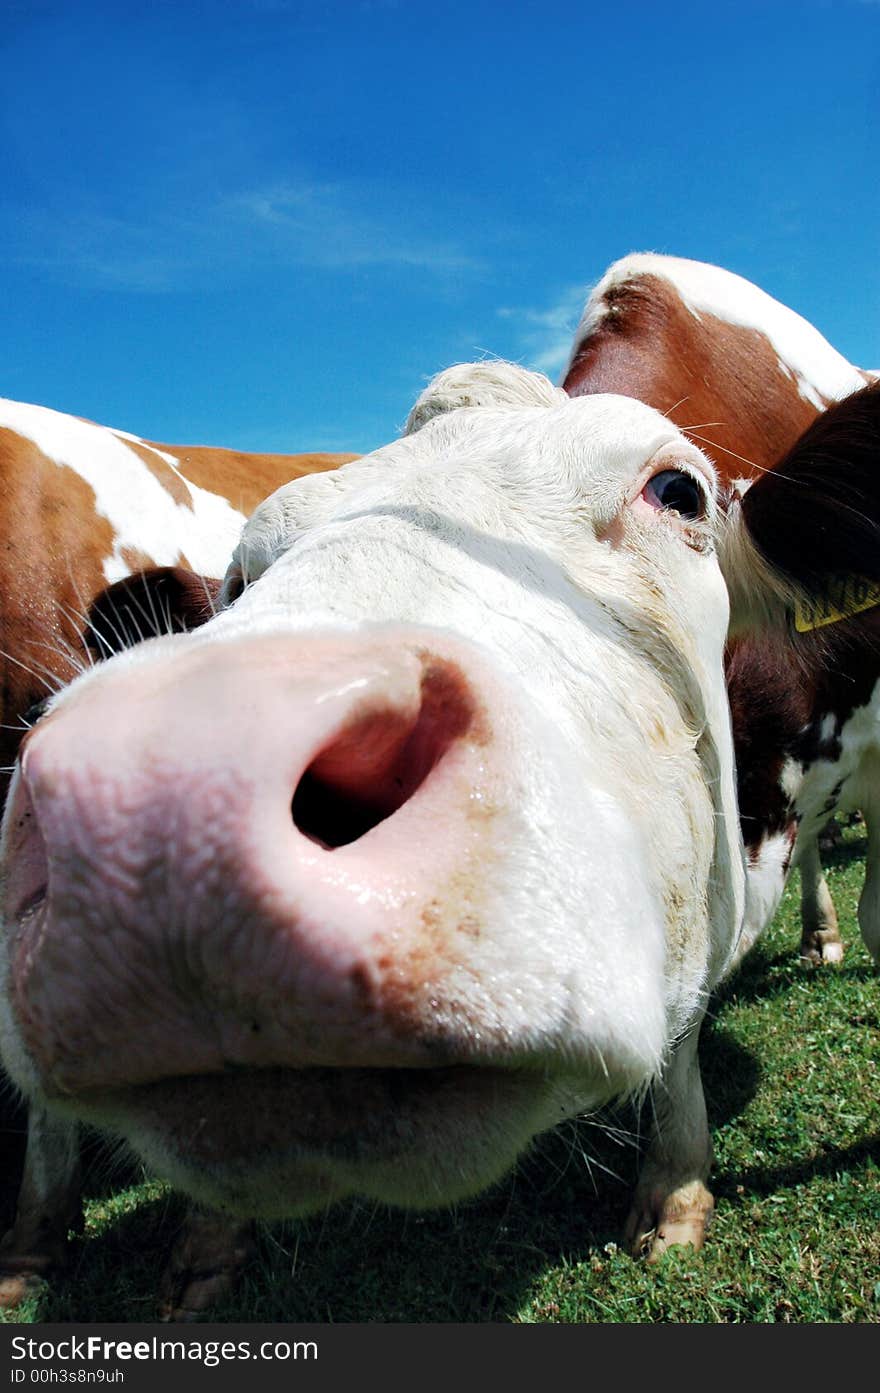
233 842
286 913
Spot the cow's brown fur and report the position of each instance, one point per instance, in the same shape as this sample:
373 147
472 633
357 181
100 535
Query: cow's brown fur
723 384
720 383
50 565
55 543
246 479
52 554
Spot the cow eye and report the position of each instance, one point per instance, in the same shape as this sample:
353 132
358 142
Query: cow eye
37 711
676 492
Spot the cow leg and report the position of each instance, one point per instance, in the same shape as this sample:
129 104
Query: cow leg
49 1205
769 862
207 1257
753 927
672 1204
869 900
820 935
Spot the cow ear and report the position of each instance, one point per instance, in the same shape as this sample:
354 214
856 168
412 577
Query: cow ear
492 382
805 537
148 604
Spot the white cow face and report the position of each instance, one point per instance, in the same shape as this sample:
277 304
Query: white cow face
571 540
431 834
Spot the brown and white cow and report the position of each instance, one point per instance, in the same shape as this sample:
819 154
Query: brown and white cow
429 839
743 376
84 506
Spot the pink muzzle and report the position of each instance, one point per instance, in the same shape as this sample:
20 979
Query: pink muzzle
262 852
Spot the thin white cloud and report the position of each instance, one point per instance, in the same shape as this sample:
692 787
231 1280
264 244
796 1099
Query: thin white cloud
544 336
94 249
335 226
332 227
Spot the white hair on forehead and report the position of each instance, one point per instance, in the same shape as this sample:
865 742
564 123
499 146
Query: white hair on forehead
492 383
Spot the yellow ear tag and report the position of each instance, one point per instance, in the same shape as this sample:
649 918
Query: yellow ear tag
843 596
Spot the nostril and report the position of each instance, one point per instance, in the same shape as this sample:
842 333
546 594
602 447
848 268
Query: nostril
376 764
356 782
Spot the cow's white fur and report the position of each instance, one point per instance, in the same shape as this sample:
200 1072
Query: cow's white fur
820 372
143 515
492 383
766 879
759 597
561 491
519 529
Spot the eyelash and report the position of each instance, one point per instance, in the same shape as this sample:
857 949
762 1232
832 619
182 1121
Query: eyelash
683 494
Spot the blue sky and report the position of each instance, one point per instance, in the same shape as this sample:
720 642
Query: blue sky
265 224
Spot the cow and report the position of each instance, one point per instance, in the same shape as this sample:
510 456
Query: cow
428 839
85 506
743 376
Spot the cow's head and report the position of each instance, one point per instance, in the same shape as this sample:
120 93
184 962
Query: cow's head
423 843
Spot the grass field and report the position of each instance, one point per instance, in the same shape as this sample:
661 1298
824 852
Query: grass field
792 1071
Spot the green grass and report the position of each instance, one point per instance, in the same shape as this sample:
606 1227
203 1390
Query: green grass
791 1067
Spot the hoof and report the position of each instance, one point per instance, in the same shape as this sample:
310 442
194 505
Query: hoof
20 1286
674 1220
820 950
204 1267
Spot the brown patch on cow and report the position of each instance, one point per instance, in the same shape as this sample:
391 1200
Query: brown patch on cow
770 706
724 385
135 559
161 471
246 479
415 996
778 709
414 972
721 384
446 689
470 926
51 559
676 903
155 600
817 513
51 565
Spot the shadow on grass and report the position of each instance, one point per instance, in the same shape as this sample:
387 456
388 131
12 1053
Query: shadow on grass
360 1262
566 1202
13 1134
852 848
478 1263
740 1186
731 1074
104 1171
483 1261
